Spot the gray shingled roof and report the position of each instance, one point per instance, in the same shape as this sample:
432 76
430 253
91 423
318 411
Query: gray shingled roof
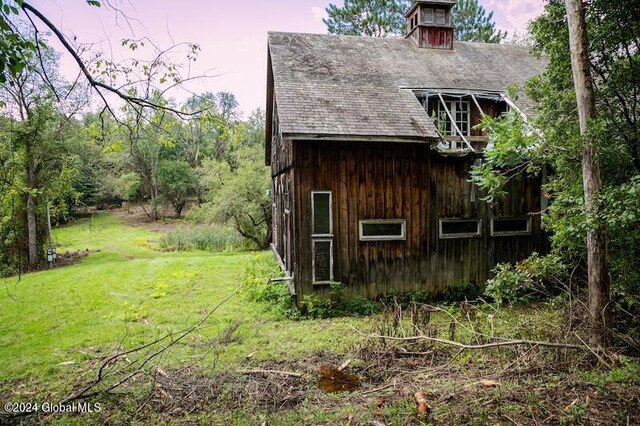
360 86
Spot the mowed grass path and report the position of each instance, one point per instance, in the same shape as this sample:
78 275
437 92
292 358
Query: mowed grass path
127 293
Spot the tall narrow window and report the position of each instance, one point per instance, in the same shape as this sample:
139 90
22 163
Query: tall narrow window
322 237
322 261
441 17
321 212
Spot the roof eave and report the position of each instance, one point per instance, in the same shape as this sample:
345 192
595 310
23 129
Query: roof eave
360 138
269 109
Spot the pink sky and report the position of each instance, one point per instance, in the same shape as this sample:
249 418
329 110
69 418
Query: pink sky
232 35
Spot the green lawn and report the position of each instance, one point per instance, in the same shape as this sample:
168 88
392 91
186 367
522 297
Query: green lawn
128 293
58 325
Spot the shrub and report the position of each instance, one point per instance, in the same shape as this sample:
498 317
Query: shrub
338 304
533 278
259 288
209 238
459 292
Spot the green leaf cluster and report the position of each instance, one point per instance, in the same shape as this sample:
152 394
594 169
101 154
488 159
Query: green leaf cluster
556 144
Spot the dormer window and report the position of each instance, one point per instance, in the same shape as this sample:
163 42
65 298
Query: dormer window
459 110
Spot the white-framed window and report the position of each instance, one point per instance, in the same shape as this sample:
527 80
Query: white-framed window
383 230
322 237
460 111
322 260
321 208
460 228
509 226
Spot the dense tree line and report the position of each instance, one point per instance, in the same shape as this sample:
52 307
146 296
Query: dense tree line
381 18
55 156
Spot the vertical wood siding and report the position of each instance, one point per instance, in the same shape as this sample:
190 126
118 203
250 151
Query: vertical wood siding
401 181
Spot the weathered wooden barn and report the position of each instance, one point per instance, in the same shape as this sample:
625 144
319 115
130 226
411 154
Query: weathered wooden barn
370 143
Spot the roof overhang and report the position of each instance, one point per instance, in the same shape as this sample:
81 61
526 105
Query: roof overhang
494 95
269 110
430 2
358 138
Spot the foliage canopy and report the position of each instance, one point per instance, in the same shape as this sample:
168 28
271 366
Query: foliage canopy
381 18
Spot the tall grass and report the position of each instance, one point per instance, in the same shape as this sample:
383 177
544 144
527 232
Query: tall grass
213 238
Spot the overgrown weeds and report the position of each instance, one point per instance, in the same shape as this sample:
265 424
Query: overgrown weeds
259 287
211 238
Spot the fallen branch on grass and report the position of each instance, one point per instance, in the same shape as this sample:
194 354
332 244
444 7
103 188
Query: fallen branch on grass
101 375
463 346
279 372
133 368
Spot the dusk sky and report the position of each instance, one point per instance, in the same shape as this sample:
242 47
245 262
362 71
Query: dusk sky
232 35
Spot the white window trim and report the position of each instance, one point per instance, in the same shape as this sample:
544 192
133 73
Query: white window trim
313 214
511 233
401 237
313 260
451 106
476 234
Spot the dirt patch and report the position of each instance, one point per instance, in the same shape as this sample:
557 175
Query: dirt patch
266 387
72 257
137 215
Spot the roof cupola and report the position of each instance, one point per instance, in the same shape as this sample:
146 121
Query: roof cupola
429 24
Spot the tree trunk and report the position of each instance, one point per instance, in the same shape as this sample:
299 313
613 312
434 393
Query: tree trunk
154 201
32 235
591 174
178 206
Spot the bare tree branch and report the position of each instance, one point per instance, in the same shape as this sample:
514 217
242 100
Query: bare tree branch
97 85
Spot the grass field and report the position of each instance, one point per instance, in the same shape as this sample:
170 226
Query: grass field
59 325
126 293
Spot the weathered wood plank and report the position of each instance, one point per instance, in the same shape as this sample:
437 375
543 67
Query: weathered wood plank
404 181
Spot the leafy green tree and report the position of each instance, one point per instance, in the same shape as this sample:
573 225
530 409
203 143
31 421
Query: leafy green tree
553 139
41 164
150 135
381 18
176 181
374 18
472 23
242 200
